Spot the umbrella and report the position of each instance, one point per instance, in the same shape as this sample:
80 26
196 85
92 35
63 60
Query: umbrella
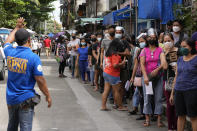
58 34
50 35
30 31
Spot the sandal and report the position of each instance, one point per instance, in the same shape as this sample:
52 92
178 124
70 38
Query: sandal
122 109
106 109
146 123
115 106
160 124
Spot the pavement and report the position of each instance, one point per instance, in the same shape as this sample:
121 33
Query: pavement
76 107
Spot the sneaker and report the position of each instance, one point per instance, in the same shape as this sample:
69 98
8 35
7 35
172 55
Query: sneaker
134 112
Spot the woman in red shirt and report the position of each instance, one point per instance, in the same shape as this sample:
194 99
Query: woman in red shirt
111 74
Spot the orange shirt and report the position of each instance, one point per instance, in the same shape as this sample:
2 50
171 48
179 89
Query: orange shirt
109 68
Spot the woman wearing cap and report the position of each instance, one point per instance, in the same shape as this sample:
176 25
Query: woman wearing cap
184 92
138 75
152 61
171 54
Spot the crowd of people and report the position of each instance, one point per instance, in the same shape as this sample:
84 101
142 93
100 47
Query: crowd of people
151 69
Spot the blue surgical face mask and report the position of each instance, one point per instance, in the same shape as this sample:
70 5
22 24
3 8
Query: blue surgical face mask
83 43
142 45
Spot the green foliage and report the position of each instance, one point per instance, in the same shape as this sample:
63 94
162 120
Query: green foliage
34 12
188 15
53 27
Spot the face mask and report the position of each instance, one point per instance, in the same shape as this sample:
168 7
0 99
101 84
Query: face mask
119 36
152 42
74 37
176 28
168 44
83 43
142 45
93 40
184 51
99 39
112 34
107 35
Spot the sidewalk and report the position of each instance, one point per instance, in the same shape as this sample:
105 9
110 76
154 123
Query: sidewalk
76 107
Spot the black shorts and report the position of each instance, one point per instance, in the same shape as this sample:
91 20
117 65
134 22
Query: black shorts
186 103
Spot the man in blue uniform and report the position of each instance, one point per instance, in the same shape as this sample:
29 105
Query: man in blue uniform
24 70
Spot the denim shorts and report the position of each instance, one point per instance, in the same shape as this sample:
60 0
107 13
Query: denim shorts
112 80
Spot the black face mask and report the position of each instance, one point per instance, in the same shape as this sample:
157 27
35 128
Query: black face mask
152 42
93 40
74 37
112 34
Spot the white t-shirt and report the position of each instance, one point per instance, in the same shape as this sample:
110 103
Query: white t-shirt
39 45
34 45
73 44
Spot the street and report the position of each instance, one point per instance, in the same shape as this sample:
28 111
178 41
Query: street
76 107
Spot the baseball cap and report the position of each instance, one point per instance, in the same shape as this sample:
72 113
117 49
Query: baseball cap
22 36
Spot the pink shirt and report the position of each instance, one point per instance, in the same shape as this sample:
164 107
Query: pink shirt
152 58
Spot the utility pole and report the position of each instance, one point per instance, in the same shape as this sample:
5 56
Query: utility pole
117 4
130 16
95 25
136 17
54 22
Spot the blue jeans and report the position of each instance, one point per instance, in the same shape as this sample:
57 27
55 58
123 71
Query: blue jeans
157 98
136 98
83 65
22 117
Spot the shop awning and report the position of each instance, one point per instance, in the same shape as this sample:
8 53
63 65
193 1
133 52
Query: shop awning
123 13
90 20
117 15
109 19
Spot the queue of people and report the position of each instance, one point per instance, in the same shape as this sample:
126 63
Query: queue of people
151 69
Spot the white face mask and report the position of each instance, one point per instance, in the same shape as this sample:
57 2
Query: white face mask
176 28
142 45
99 39
119 36
168 44
107 35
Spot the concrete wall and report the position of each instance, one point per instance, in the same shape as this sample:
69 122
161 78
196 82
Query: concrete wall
103 6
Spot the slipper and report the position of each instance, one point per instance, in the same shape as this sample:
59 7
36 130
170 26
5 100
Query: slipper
105 109
115 106
146 123
160 124
122 109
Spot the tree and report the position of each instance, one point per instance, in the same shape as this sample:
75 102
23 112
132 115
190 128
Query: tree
34 12
188 14
53 26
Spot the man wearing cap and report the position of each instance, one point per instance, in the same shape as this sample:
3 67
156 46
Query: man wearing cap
24 70
126 54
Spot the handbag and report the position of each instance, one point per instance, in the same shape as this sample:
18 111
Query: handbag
137 81
169 82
